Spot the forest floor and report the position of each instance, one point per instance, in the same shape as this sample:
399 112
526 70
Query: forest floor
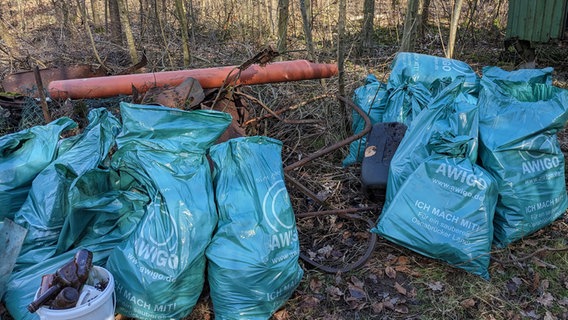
529 278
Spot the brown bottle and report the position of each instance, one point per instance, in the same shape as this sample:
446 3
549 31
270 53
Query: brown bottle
46 282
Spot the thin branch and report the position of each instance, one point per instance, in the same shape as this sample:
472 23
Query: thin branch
529 256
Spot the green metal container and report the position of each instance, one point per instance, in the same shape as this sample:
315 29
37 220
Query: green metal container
537 20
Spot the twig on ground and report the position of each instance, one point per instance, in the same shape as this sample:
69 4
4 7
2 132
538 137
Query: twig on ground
520 259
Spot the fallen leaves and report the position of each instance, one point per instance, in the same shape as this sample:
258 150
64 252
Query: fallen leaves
468 303
390 272
400 289
436 286
513 285
334 293
281 315
378 290
546 299
315 285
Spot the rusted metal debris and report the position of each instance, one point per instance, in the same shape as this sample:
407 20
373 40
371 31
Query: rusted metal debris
347 213
185 96
24 82
41 94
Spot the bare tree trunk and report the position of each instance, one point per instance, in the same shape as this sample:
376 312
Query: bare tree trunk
411 21
367 29
454 28
180 12
307 29
270 16
341 57
115 23
106 15
125 23
95 16
283 15
63 7
425 17
81 5
193 18
156 16
143 23
471 13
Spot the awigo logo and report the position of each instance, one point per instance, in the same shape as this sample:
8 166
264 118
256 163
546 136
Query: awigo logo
456 66
540 153
158 239
276 201
276 209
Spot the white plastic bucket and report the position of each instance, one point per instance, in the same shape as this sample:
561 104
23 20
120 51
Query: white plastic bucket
92 305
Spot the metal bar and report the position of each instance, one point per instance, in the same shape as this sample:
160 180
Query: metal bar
339 144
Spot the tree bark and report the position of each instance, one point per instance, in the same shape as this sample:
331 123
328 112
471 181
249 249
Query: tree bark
411 21
81 5
283 6
341 58
306 22
454 28
95 16
367 28
125 24
180 11
115 24
425 17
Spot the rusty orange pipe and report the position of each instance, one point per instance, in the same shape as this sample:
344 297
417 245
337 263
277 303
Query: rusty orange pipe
103 87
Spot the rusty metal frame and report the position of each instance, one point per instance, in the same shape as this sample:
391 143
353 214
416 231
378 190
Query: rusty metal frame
338 144
346 213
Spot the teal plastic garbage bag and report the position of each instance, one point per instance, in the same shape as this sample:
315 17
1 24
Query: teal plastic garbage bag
22 157
450 111
444 210
518 146
11 237
101 217
46 208
253 257
518 77
426 69
160 270
371 98
405 102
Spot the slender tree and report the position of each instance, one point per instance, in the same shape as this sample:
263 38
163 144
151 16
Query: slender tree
155 14
283 15
454 28
411 21
180 12
425 17
367 28
82 7
115 24
125 23
342 18
306 22
94 12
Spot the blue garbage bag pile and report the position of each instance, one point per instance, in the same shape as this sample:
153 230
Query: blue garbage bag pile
140 194
480 164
